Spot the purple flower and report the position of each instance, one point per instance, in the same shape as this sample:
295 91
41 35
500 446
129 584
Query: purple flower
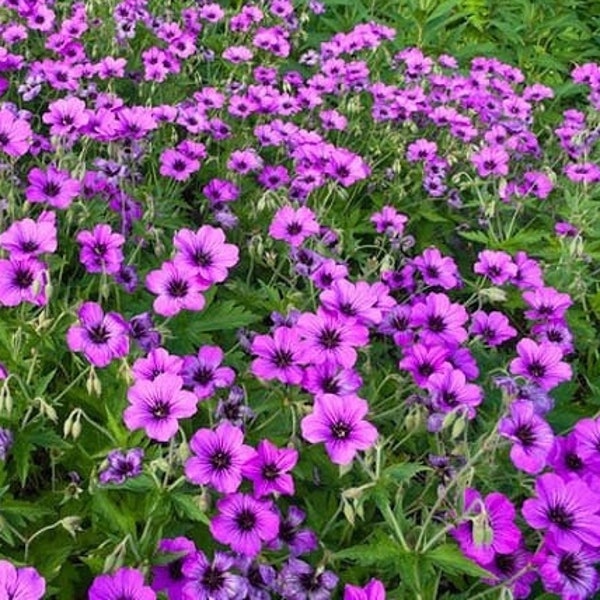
389 221
169 578
299 541
219 457
450 391
441 321
532 437
546 304
177 165
490 527
244 523
328 378
177 289
214 580
157 362
374 590
568 510
125 583
572 574
327 337
437 269
353 300
293 225
28 238
23 583
204 373
141 329
510 570
268 469
101 249
424 361
205 254
278 356
299 581
23 280
587 434
15 134
53 186
493 328
491 160
540 363
122 466
338 422
101 338
6 442
497 266
156 406
565 458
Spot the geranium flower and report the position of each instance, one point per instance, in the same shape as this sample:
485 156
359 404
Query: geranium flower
125 583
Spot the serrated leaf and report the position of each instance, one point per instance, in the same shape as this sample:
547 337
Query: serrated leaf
405 471
110 515
451 560
221 316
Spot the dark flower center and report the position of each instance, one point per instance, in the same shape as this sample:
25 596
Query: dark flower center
449 398
178 288
347 309
270 472
425 369
4 139
536 369
573 462
494 271
310 582
294 228
246 520
526 435
330 385
203 375
99 334
505 563
432 272
23 278
560 517
287 532
283 358
179 165
29 246
342 172
202 258
340 430
570 567
51 189
436 324
220 460
99 249
213 579
161 410
175 569
330 338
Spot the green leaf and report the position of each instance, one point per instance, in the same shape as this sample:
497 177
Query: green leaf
186 507
452 561
405 471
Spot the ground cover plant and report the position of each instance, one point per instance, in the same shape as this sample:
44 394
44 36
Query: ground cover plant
292 314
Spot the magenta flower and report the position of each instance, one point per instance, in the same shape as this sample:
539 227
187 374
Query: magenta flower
587 433
157 362
540 363
177 165
156 406
423 361
101 249
244 523
493 328
567 510
437 269
15 134
28 238
532 437
23 281
205 580
355 300
219 457
204 373
52 186
268 469
491 160
326 337
23 583
66 116
177 289
205 253
125 583
374 590
328 378
102 338
293 225
278 356
490 527
338 421
389 221
547 304
170 578
450 391
497 266
440 321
